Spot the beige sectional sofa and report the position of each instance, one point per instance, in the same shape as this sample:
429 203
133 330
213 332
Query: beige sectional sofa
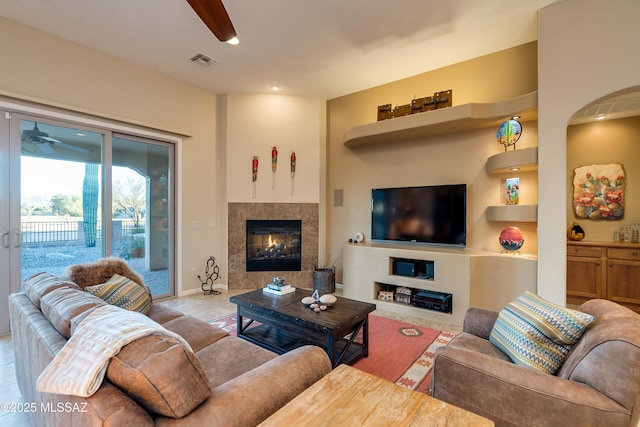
220 380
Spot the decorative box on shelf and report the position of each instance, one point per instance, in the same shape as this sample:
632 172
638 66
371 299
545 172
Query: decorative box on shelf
385 295
403 295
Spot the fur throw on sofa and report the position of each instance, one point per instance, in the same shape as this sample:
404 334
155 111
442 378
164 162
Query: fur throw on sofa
98 272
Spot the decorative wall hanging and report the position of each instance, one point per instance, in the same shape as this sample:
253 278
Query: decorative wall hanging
274 166
512 191
511 239
293 169
598 191
254 173
509 133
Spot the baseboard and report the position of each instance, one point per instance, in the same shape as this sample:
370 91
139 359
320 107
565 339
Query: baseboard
188 292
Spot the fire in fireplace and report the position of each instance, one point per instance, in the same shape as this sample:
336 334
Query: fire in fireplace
274 245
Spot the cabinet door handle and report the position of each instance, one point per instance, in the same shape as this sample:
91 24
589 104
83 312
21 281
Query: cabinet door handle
576 250
5 239
635 253
610 264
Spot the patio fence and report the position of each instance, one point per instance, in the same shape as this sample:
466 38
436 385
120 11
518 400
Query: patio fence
71 232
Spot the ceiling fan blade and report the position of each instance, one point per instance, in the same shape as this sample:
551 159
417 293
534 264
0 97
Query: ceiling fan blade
73 147
215 16
45 147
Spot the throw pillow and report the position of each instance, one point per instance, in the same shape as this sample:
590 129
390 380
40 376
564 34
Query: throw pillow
93 273
536 333
124 293
161 375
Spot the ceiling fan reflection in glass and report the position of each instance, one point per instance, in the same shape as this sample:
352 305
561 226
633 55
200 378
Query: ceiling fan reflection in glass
44 143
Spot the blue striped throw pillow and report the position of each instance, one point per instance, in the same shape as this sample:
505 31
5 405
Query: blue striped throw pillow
536 333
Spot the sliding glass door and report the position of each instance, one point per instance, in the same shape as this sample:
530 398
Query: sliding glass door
142 200
72 194
61 206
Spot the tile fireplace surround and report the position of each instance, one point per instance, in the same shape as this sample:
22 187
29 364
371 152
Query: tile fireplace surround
239 213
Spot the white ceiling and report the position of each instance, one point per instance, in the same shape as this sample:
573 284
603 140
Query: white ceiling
321 48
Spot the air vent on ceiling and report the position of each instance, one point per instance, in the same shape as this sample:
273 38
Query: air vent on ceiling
202 59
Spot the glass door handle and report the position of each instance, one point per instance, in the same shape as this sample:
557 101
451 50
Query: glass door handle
5 239
18 239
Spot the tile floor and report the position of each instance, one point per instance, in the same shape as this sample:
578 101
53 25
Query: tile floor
204 307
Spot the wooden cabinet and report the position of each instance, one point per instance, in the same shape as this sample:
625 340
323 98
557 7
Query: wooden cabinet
604 270
623 276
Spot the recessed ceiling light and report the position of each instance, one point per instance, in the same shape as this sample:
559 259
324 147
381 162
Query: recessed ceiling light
515 117
275 88
515 169
234 41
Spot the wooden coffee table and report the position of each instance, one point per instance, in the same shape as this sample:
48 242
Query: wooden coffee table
350 397
285 323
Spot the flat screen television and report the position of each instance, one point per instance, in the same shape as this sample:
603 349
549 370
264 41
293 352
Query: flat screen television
435 214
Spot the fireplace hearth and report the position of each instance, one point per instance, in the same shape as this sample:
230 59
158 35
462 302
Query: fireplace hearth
273 245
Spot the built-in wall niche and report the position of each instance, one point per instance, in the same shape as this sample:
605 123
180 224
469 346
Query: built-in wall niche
606 131
408 267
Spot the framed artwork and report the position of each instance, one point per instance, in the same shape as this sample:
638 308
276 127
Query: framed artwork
598 191
512 186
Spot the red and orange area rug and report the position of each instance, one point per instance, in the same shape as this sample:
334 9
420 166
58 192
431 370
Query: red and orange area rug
398 352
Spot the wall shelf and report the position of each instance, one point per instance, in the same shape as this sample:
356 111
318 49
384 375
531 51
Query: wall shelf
450 120
525 160
512 213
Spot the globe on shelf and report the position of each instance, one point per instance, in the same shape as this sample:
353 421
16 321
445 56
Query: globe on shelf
511 239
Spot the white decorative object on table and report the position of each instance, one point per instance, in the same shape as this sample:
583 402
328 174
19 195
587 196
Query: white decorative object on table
328 299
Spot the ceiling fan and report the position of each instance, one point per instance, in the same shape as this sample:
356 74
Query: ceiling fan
45 143
215 16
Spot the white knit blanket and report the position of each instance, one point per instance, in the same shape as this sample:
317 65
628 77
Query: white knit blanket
79 368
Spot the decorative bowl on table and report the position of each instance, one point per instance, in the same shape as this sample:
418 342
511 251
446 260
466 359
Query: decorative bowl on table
328 299
308 300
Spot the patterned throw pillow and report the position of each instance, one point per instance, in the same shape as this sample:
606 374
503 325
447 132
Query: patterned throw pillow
536 333
124 293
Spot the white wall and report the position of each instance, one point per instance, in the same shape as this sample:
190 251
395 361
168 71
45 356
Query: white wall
587 50
256 123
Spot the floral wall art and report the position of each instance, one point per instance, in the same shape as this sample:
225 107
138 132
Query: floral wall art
598 191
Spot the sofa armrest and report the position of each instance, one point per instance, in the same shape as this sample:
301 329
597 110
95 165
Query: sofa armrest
513 395
479 322
252 397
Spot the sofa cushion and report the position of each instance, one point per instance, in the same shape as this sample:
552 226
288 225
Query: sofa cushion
122 292
197 333
161 375
536 333
40 284
61 305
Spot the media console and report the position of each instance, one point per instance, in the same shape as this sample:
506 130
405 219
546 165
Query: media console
437 283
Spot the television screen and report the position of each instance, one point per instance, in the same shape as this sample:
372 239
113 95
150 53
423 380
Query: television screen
429 214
